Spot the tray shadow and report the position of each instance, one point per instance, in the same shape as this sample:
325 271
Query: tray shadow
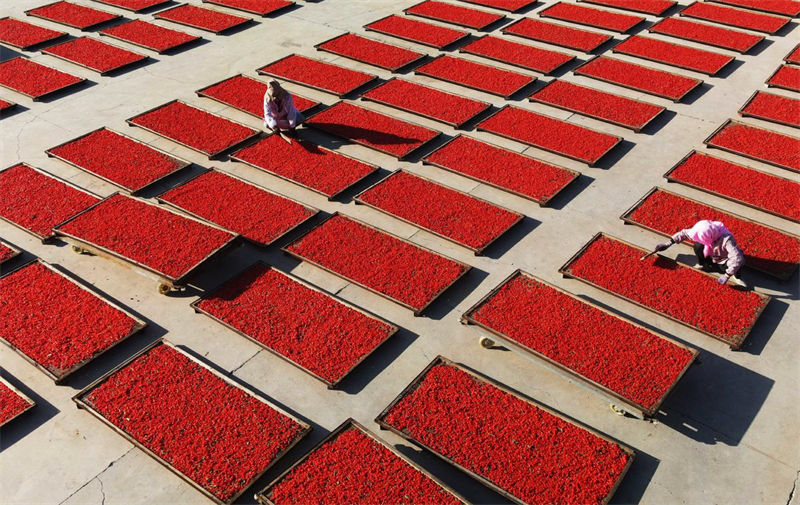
238 28
454 294
759 48
786 30
566 195
171 181
637 479
716 401
696 93
721 396
472 490
659 122
728 69
568 66
350 193
28 421
510 238
7 53
377 362
13 111
614 155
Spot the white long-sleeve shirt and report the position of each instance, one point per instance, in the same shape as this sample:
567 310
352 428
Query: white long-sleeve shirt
284 110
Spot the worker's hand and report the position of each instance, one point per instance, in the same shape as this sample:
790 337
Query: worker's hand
663 246
723 278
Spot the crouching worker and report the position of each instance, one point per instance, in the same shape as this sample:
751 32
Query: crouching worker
279 110
715 248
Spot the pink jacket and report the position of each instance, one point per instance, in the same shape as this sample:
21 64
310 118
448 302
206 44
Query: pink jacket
718 243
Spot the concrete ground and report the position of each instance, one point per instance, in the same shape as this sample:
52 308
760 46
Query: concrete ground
726 435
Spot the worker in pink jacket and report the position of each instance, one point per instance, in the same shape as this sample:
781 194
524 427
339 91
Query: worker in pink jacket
715 248
279 110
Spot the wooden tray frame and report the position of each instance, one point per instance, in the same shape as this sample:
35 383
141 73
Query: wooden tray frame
29 46
256 133
637 409
786 58
87 28
261 71
476 250
249 11
85 405
617 50
59 379
669 178
37 98
194 39
542 14
262 498
375 168
14 252
463 25
734 345
22 395
312 210
542 203
743 11
640 90
417 71
368 28
729 122
533 98
528 4
162 278
465 50
330 385
181 164
45 238
626 218
591 163
414 310
375 148
415 383
630 9
486 105
319 47
723 2
142 9
505 31
781 86
681 37
244 20
306 112
744 113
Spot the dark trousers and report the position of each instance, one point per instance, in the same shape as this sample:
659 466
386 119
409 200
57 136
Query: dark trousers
706 262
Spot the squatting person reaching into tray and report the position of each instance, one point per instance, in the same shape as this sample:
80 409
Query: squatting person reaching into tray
715 248
279 110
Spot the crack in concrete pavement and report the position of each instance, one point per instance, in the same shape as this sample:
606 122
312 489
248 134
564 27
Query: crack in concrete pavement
232 372
794 488
97 476
102 491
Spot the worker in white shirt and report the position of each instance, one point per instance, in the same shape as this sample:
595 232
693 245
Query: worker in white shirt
279 110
